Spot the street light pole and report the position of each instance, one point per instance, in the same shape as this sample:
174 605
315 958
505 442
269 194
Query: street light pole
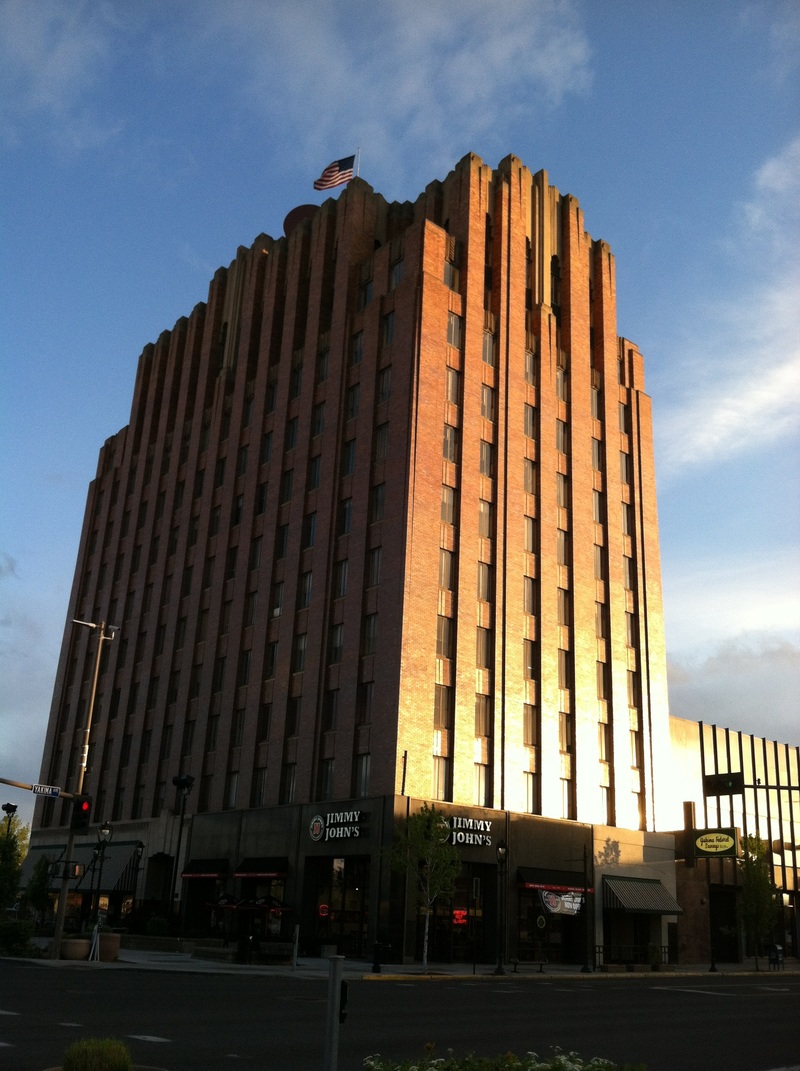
11 810
502 860
58 932
184 783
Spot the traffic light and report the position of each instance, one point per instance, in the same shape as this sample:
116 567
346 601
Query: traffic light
723 784
81 813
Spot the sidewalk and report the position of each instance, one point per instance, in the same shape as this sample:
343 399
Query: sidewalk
310 967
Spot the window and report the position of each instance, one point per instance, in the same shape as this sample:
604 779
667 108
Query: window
602 680
219 472
314 468
340 579
237 728
381 442
305 590
529 659
529 421
530 368
387 329
564 671
322 365
597 405
291 434
395 274
450 443
489 348
219 674
330 710
485 519
483 648
243 672
288 773
364 702
261 499
281 542
484 582
377 503
455 330
251 603
562 546
230 563
310 530
286 485
599 621
530 726
361 771
444 637
357 348
451 275
345 516
336 643
258 791
384 385
487 459
374 567
440 789
349 458
530 535
562 490
266 448
599 563
299 652
351 401
604 741
270 659
453 386
241 461
627 519
318 419
442 707
563 607
627 573
276 604
237 510
529 595
529 476
561 384
488 396
531 792
447 569
448 512
483 780
597 506
562 437
365 293
370 634
630 629
623 418
624 467
597 455
483 715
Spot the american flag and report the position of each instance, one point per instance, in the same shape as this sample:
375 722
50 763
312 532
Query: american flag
336 174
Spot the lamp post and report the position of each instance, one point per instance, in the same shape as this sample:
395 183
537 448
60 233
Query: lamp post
502 861
11 810
103 637
184 784
104 835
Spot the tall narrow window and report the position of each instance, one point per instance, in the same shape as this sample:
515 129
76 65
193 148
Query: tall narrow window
455 330
487 459
450 443
488 402
352 400
485 519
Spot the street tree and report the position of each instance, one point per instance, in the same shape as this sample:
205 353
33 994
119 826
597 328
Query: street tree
13 849
421 848
759 895
37 891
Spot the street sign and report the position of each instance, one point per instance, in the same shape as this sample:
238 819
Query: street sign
46 790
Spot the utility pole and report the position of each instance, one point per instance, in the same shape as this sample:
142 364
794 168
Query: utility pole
58 932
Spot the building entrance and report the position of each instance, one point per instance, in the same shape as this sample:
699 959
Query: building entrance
335 904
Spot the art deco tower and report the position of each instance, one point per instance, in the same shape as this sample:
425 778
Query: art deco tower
383 521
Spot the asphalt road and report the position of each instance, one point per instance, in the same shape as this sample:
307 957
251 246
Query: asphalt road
209 1021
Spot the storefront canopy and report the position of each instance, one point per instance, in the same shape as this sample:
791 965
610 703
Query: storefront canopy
643 896
559 881
265 866
205 868
118 872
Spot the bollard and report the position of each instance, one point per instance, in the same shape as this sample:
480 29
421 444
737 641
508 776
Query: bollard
331 1057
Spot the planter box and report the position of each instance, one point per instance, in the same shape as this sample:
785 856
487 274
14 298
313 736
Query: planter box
109 947
75 948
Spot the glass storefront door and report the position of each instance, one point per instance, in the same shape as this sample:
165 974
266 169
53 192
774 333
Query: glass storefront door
336 903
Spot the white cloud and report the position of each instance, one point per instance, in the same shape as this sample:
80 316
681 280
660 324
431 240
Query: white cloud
744 368
750 683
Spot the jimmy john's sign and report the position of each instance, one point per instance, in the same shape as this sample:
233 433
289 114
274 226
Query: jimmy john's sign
337 825
718 843
472 831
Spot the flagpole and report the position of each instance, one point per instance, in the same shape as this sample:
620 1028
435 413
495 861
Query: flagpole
358 161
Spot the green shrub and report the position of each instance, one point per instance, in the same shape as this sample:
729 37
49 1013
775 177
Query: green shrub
560 1061
15 937
97 1054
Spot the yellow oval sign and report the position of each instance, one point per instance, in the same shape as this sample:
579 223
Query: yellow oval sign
715 842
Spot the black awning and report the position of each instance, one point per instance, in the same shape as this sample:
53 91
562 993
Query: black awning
642 896
118 870
559 881
265 866
205 868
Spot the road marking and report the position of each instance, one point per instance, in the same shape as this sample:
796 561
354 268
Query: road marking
148 1037
8 1013
71 1024
683 989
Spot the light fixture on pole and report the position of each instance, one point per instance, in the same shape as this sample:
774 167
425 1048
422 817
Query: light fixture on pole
11 810
104 637
502 864
104 835
184 784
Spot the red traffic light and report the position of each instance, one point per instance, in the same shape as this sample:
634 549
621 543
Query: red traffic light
81 813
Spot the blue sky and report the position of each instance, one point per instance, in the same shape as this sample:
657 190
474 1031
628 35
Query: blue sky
142 143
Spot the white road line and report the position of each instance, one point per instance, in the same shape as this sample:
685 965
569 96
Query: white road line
682 989
8 1013
148 1037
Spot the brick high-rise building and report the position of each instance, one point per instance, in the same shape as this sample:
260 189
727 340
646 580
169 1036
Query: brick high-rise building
382 527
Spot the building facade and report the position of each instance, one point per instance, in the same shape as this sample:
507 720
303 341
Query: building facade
382 529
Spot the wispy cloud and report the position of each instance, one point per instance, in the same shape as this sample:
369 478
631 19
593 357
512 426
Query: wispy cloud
53 56
744 369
